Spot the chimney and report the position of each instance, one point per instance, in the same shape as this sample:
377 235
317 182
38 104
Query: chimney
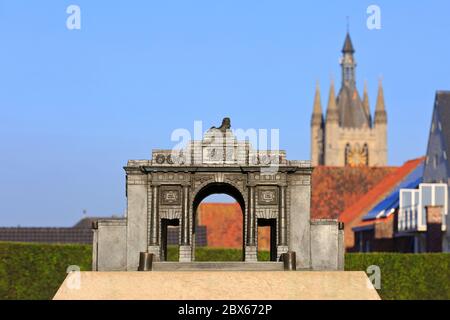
384 229
434 228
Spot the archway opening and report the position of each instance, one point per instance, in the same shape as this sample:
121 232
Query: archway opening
219 210
169 238
267 233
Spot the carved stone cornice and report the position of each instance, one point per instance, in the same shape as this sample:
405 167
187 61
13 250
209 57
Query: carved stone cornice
170 178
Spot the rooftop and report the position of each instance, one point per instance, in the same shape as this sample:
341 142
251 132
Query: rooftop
380 191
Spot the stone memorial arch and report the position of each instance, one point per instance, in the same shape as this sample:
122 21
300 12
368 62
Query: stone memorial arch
166 191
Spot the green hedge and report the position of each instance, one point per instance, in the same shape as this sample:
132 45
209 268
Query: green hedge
35 271
407 276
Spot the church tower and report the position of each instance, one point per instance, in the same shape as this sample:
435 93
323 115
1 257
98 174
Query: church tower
347 136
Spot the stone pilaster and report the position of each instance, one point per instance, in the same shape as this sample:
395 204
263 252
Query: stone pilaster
95 247
282 245
251 251
154 246
282 218
185 253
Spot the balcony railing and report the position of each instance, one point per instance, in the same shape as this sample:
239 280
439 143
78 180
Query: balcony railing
412 215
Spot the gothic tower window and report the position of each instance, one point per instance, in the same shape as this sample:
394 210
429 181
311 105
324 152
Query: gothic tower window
366 154
436 161
347 154
348 73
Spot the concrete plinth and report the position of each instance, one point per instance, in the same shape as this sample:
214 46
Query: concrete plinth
185 254
251 254
217 285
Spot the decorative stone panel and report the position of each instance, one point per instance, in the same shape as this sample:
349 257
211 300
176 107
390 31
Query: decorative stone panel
170 195
267 196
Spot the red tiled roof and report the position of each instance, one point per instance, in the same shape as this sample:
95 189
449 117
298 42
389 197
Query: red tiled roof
377 193
354 214
336 188
373 222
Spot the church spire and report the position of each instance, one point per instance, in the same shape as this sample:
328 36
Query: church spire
366 104
317 128
332 111
348 63
348 45
317 117
380 110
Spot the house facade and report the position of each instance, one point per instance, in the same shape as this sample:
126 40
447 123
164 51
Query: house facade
437 166
413 213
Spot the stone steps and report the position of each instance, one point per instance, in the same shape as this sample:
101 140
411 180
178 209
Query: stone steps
217 266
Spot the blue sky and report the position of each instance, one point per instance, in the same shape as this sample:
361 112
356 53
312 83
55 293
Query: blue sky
75 105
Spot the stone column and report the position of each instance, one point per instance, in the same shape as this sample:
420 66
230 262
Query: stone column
341 247
154 246
251 254
185 239
282 245
95 246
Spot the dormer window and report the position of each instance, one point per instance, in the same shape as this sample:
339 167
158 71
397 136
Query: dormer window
436 161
